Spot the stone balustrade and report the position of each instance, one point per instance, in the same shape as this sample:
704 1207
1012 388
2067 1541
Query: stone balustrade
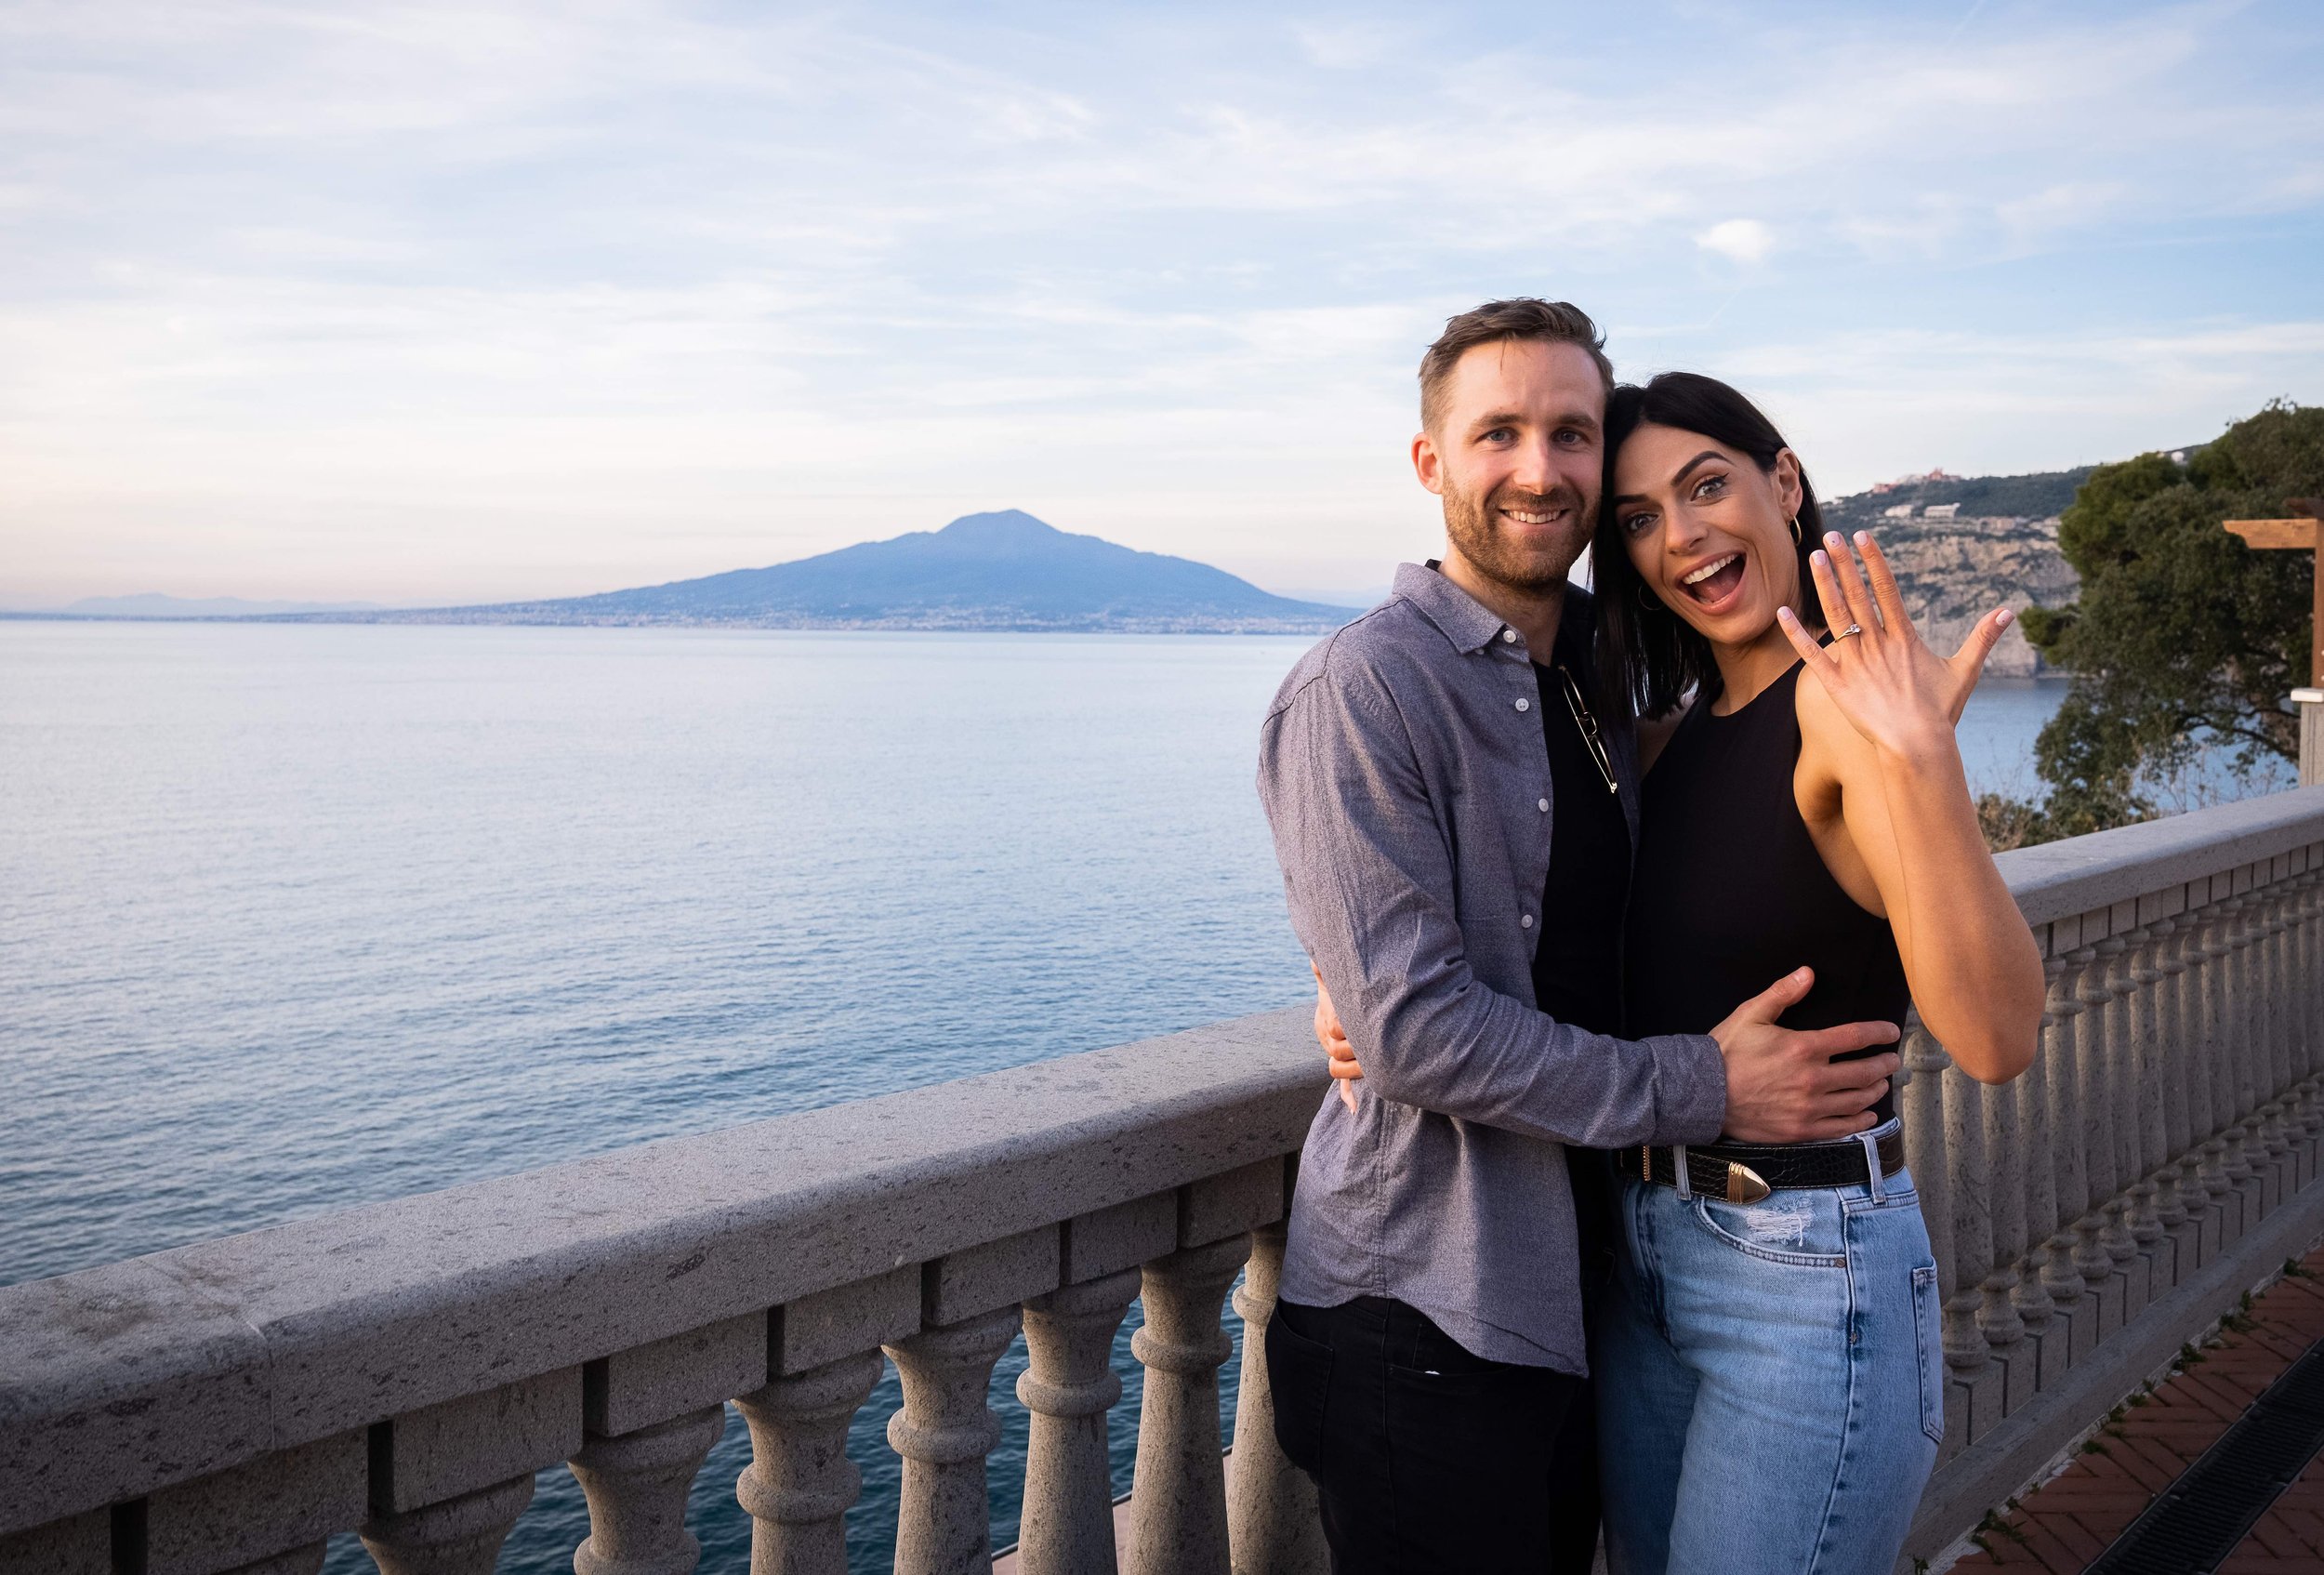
2094 1214
404 1369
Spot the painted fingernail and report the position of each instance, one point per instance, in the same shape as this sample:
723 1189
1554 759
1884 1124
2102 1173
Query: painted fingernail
1820 560
2006 618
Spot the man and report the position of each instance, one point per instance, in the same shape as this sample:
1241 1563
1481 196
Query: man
1454 816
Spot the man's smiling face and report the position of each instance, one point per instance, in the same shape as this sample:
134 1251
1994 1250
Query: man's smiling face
1517 456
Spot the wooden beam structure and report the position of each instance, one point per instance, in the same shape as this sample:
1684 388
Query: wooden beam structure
2275 532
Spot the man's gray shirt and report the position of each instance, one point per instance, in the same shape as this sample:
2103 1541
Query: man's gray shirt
1402 772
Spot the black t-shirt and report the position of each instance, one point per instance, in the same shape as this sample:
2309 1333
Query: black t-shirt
1578 962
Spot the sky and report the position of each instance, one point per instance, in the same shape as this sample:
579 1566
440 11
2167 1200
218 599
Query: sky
439 303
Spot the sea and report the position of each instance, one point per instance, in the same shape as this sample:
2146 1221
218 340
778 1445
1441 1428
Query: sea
300 916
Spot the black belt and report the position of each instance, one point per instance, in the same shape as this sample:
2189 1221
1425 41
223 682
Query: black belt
1745 1172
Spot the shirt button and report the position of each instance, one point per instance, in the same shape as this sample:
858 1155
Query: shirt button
1524 920
1525 705
1508 636
1541 804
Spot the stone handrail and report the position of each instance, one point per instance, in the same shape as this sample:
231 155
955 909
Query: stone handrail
2156 1161
405 1368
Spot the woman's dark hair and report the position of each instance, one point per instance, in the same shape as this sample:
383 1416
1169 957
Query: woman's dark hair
1645 651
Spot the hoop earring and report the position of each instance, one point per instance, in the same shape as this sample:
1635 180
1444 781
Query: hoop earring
1796 540
1645 603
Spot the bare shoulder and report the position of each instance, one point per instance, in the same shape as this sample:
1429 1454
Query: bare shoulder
1837 789
1833 756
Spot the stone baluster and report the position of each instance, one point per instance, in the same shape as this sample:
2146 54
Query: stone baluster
2291 1051
1968 1347
2105 1040
457 1536
2298 1098
2140 1103
2283 1097
2266 1014
2070 1165
944 1432
1920 1100
2250 961
1178 1510
2202 1183
2290 1020
2215 1078
2311 991
1271 1523
2006 1163
2091 1255
2253 1077
2306 990
2038 1194
2299 992
271 1515
1068 1385
2119 1072
2235 1000
636 1484
800 1484
454 1475
2174 1072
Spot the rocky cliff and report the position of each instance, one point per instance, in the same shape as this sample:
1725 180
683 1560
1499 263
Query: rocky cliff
1955 569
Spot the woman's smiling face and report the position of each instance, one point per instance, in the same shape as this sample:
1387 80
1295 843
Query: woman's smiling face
1708 531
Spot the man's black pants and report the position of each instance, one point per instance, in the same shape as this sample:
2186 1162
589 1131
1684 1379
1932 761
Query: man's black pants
1426 1458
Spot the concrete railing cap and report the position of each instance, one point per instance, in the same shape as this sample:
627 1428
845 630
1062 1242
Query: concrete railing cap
121 1379
2083 874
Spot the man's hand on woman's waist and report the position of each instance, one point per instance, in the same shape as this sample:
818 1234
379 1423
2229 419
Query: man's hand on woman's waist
1782 1084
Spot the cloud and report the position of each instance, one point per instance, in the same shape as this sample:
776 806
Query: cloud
528 300
1867 406
1745 241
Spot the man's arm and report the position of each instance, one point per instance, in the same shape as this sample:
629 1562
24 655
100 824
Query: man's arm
1367 868
1817 1102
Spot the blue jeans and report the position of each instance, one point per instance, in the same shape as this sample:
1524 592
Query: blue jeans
1770 1380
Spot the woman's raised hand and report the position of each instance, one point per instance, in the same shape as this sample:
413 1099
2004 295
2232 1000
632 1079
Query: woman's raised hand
1901 695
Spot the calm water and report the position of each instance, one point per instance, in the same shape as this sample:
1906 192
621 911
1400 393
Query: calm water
293 918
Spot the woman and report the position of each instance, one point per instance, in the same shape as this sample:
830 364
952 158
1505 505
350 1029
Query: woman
1768 1373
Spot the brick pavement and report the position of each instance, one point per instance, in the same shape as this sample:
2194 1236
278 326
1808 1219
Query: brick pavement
2064 1525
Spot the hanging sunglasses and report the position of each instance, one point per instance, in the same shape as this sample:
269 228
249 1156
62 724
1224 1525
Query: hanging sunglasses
1588 725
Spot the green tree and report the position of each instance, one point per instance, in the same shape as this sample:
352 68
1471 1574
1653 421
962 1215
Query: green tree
2183 636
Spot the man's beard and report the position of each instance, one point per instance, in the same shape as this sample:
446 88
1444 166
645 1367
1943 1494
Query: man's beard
1476 528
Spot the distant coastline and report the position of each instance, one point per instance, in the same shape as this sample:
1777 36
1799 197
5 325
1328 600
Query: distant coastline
489 618
1005 571
1960 545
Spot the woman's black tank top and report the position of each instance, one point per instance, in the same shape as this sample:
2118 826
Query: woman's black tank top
1729 893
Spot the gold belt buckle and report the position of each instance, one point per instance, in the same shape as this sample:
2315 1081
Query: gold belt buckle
1745 1185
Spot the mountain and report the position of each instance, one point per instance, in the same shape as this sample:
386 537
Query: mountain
1001 570
1993 541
